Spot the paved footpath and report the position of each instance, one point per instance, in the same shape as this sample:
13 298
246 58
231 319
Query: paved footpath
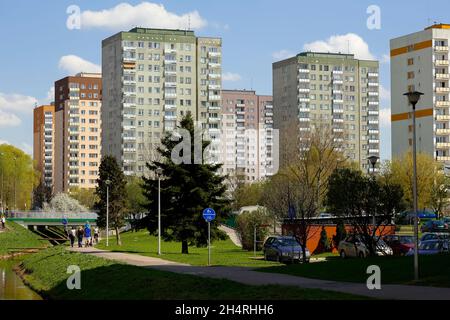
247 276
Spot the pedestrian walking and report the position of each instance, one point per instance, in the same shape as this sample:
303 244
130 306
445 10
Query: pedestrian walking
80 235
72 236
96 234
87 234
3 222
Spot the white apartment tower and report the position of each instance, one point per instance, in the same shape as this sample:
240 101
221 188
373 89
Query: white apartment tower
334 90
151 79
420 62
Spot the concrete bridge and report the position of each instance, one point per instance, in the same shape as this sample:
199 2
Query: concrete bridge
42 218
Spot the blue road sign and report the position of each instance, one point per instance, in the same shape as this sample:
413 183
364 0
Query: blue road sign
209 214
65 221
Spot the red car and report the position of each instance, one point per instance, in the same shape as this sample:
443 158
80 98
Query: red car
400 244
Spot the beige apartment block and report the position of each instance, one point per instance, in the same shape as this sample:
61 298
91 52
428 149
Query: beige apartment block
333 90
152 78
420 61
43 142
247 135
78 102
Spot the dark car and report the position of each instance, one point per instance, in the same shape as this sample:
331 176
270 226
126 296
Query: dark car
400 244
431 247
434 226
284 249
435 236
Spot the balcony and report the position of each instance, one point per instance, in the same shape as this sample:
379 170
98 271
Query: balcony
303 70
128 173
338 101
338 110
374 131
304 119
129 138
168 95
129 82
170 117
304 100
214 87
373 103
213 65
442 103
442 89
303 90
269 114
129 94
337 91
442 76
441 48
303 80
129 116
372 151
372 121
373 84
442 158
214 76
304 109
170 61
374 141
338 120
442 145
214 54
240 112
214 108
338 130
441 62
443 117
372 93
170 107
169 51
373 112
337 72
168 84
443 131
129 59
240 120
215 97
338 81
214 119
129 161
372 74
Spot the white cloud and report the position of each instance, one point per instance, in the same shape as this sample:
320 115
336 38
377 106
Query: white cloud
385 94
385 117
74 64
3 142
17 103
50 95
146 14
349 42
229 76
8 119
282 54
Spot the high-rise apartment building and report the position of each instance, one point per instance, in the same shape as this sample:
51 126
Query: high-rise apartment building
78 102
247 135
420 61
335 90
43 142
151 79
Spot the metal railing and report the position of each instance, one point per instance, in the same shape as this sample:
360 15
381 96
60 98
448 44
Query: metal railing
51 215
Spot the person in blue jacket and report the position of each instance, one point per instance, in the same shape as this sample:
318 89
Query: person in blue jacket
87 234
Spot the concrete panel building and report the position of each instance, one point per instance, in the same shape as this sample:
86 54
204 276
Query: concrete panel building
420 61
152 78
78 101
247 135
331 89
43 142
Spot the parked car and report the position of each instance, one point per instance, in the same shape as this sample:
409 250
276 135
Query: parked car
399 244
325 215
434 226
432 247
353 246
435 236
284 249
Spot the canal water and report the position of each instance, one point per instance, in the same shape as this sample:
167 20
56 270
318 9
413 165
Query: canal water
11 286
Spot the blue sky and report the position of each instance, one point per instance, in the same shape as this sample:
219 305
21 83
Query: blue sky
38 48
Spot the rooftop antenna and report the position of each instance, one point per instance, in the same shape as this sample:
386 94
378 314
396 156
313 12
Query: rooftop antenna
251 83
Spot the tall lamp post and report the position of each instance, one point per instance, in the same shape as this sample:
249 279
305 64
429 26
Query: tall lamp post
107 182
373 161
413 98
3 172
159 174
15 182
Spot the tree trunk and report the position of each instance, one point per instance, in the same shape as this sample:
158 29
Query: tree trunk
184 247
119 242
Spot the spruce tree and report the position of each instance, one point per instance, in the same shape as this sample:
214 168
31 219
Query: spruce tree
186 190
109 170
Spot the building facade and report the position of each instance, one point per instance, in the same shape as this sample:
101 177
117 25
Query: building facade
78 102
247 135
152 78
335 90
43 142
420 61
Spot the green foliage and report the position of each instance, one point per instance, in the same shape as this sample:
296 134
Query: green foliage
341 233
19 177
109 170
248 195
86 197
368 196
245 227
17 236
135 195
46 273
324 242
186 190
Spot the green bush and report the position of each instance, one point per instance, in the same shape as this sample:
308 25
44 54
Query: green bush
245 227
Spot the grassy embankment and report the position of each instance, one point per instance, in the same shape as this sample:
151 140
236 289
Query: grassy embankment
434 270
17 237
46 273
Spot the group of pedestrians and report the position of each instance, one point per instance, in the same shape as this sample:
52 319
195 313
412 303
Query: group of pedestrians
83 235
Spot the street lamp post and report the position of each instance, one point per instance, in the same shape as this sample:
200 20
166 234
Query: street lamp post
159 174
373 161
15 182
3 171
107 182
413 98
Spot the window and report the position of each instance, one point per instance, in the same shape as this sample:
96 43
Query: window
411 75
410 61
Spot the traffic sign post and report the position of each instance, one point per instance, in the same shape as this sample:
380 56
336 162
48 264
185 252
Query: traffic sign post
209 215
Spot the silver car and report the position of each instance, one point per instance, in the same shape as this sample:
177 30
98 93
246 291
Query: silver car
353 246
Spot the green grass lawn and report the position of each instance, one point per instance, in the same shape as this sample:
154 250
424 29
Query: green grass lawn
434 270
17 236
222 252
103 279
